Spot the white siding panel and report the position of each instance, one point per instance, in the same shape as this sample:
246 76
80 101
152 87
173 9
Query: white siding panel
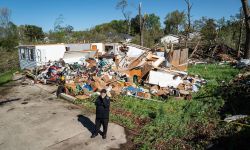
51 52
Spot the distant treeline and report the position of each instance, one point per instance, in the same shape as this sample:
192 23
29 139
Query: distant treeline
230 32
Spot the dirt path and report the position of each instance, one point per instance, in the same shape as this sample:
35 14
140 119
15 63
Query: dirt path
32 118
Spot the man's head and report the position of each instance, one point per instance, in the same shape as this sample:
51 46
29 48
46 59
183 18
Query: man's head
103 93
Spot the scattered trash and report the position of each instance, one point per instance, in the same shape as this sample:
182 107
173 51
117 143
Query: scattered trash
243 63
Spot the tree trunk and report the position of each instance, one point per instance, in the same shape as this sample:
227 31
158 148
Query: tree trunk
129 27
240 36
189 6
247 25
141 26
128 21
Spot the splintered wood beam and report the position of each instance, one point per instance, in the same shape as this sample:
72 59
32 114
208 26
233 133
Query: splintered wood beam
195 49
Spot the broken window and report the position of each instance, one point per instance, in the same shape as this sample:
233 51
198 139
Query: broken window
31 54
22 53
108 48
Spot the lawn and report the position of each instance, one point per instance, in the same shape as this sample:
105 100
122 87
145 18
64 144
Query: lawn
6 76
176 124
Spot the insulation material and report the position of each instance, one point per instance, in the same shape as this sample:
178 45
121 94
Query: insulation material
164 79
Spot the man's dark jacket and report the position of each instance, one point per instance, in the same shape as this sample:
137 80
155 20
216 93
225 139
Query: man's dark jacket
102 107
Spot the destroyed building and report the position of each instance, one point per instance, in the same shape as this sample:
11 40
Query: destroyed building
121 68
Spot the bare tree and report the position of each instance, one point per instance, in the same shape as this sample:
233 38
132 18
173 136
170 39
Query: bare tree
142 21
5 14
245 7
141 26
189 7
58 23
240 35
122 4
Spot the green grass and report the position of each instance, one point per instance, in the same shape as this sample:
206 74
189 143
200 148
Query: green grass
125 121
214 72
6 76
177 123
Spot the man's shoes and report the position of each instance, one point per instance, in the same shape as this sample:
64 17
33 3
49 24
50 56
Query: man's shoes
93 135
104 137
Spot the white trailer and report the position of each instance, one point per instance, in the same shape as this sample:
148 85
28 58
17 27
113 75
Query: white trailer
31 56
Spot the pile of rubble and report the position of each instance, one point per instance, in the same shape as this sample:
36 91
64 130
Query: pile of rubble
237 92
219 52
148 75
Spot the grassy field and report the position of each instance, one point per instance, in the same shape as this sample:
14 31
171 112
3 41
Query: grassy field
176 124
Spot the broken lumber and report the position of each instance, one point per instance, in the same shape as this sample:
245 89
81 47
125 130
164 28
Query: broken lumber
67 97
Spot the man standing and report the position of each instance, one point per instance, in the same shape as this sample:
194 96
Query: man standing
102 114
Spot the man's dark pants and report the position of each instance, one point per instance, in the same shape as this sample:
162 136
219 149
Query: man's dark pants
104 123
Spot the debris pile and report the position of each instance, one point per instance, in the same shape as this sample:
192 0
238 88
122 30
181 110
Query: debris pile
218 52
243 63
237 93
145 76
